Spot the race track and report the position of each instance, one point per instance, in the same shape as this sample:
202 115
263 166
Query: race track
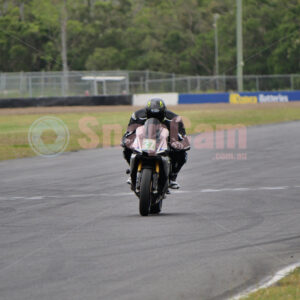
70 228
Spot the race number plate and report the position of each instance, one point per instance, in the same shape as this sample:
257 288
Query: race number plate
149 145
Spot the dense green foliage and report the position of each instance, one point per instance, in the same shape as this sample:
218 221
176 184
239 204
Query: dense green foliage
170 35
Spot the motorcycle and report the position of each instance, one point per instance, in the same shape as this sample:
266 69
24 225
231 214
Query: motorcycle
150 166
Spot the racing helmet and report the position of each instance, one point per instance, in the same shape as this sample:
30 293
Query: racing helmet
156 108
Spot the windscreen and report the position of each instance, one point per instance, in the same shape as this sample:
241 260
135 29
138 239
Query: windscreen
152 137
151 140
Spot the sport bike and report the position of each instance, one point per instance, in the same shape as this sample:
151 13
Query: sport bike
150 166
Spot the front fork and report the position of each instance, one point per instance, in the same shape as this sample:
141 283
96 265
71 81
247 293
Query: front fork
136 166
155 177
138 177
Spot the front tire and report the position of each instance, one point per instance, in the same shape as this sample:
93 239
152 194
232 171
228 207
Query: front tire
145 192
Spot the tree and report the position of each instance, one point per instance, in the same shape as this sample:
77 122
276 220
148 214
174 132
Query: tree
53 14
172 36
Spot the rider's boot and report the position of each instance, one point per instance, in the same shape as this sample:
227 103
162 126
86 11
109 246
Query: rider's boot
173 184
129 178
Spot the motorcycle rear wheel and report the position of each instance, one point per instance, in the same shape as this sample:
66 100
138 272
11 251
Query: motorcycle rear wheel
145 191
156 208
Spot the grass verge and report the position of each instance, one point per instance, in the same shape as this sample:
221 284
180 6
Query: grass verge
15 123
287 288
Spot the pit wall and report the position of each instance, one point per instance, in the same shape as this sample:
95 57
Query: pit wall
169 98
67 101
232 98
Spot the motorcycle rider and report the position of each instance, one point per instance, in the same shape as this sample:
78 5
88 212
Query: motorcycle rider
178 140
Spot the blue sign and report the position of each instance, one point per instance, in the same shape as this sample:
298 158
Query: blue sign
203 98
240 98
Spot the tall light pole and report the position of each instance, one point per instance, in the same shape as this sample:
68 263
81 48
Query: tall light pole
239 38
216 17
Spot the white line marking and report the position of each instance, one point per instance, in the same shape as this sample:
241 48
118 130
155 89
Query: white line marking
82 195
179 192
119 194
267 282
274 188
36 198
241 189
209 191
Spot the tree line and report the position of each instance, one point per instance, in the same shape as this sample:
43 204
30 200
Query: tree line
175 36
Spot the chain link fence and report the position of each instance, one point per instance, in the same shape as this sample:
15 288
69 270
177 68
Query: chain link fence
57 84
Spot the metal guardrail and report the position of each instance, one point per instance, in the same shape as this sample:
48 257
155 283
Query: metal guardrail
56 84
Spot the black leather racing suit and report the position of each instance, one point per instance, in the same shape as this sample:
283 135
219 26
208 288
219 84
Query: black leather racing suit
178 140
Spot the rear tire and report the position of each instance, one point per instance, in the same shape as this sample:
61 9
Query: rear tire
156 208
145 191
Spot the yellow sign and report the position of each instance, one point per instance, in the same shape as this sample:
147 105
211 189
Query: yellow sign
238 99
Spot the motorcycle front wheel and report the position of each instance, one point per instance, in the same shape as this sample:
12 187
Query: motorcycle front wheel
145 191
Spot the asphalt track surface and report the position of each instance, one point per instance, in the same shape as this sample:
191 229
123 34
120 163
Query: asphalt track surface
70 228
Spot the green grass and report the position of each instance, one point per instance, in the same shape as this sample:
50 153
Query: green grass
14 131
247 117
14 127
286 289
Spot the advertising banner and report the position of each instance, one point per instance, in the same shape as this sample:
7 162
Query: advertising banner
203 98
241 98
